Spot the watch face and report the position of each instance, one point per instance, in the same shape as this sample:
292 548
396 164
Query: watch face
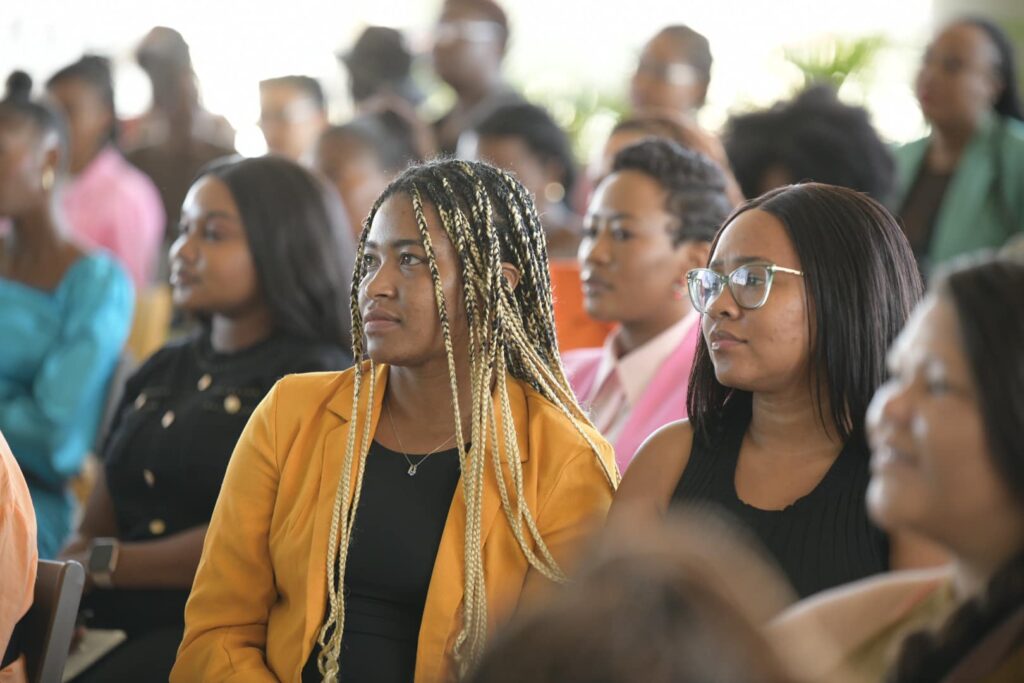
99 558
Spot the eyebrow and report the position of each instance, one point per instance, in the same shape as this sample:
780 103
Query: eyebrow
610 215
396 244
739 261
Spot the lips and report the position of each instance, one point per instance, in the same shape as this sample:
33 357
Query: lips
593 285
720 340
183 278
886 457
378 320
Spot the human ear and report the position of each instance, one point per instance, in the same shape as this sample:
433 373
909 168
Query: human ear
511 274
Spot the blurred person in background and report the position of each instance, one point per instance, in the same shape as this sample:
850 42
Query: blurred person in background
258 261
650 221
380 63
947 440
682 602
806 288
959 189
19 558
177 136
108 203
360 158
470 41
672 74
524 139
64 312
813 136
633 129
293 113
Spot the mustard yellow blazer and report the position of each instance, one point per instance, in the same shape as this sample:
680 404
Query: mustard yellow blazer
258 599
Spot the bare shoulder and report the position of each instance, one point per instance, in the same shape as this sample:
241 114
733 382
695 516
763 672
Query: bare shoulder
654 472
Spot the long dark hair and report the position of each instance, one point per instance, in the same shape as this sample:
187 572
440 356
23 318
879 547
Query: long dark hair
1008 104
302 253
989 301
862 283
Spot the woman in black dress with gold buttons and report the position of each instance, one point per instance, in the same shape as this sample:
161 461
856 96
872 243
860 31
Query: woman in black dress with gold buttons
263 262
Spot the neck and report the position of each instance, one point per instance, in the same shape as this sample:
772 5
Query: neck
411 389
947 145
235 333
471 95
35 237
79 165
782 420
634 334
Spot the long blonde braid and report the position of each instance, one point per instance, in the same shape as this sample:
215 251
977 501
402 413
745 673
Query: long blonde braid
489 219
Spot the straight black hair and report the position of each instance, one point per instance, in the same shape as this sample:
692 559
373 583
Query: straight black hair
302 251
862 282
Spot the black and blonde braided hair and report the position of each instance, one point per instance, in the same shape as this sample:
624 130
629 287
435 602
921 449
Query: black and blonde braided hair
489 219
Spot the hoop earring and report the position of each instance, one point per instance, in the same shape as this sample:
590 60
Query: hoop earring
48 179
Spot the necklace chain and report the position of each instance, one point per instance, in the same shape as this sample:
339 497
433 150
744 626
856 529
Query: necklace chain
412 466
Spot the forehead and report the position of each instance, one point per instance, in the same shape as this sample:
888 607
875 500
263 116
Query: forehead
282 94
965 40
663 47
755 234
500 148
396 221
628 191
209 194
931 333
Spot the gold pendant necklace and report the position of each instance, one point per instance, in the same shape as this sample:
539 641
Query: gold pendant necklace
412 466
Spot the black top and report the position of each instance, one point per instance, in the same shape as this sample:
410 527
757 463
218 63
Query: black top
397 532
168 448
822 540
920 210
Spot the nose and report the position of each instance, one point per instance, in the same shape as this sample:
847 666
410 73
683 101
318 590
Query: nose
890 407
596 249
184 247
379 283
724 306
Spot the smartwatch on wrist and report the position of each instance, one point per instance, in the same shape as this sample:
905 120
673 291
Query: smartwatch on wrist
103 554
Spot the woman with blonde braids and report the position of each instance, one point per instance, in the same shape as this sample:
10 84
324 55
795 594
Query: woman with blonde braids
376 524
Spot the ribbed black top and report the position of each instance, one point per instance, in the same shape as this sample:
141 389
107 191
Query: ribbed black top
822 539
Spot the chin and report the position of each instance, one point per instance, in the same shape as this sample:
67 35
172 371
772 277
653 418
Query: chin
891 505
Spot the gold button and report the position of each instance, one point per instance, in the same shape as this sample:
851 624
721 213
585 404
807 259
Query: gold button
232 404
157 527
140 401
149 477
168 419
204 382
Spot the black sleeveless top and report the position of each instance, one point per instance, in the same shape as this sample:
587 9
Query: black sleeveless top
397 532
822 540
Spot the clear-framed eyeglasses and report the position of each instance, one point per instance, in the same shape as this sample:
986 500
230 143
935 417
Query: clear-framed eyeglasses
749 285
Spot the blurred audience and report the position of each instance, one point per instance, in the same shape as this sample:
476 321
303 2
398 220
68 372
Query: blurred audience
946 436
649 223
107 201
673 73
470 40
959 189
361 157
64 312
380 63
812 137
18 560
257 260
293 113
679 603
785 368
176 137
523 139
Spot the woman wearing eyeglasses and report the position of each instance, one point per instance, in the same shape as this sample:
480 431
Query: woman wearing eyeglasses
807 287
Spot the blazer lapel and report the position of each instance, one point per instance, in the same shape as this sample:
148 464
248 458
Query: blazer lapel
966 194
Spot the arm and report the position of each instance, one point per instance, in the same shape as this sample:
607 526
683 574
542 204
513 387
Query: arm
168 562
18 555
646 489
67 394
226 616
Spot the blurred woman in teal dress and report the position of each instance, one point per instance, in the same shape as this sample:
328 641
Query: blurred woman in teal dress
64 316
